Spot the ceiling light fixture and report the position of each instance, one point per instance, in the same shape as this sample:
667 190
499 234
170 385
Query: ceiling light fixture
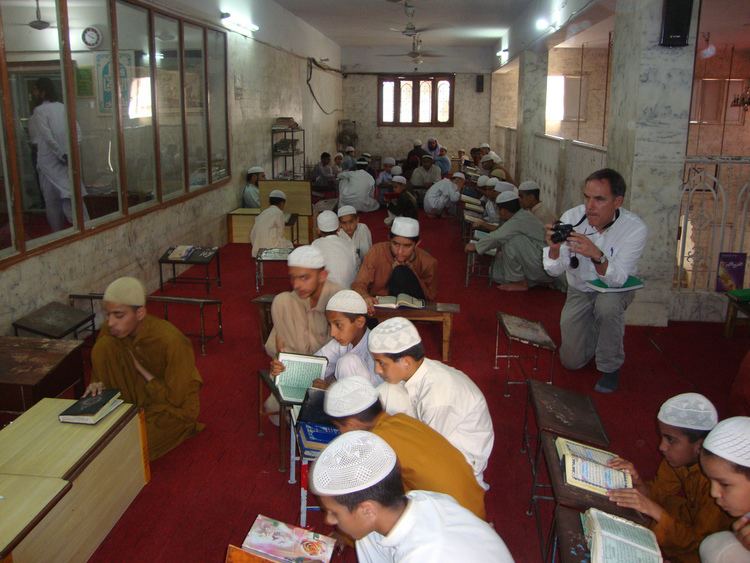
542 24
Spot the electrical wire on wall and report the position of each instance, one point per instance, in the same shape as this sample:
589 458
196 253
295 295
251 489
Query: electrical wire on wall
310 63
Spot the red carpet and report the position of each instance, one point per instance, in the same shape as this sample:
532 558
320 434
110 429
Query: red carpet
206 493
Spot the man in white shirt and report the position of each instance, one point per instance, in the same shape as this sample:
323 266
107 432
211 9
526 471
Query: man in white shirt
606 244
359 484
251 193
268 230
350 229
443 397
443 195
528 195
356 188
427 174
339 254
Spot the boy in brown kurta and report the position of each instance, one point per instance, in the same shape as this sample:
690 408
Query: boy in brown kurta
152 364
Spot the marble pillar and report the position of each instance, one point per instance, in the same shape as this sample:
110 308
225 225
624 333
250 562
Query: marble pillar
648 127
532 106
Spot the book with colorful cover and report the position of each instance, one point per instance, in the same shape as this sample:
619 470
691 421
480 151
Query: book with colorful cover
282 542
612 538
631 284
181 252
730 274
586 467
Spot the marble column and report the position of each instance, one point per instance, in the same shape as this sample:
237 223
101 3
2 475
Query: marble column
532 105
647 136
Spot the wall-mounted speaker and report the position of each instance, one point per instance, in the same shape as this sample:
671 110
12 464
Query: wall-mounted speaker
675 23
480 83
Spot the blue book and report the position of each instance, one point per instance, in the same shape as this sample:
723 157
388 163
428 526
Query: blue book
315 436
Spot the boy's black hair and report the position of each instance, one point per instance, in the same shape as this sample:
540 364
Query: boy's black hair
351 316
391 235
513 206
736 466
275 200
389 492
367 415
328 233
416 352
325 155
694 435
534 193
613 177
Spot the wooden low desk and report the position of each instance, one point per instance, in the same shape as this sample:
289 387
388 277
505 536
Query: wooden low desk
33 368
268 255
55 320
200 256
105 464
432 313
569 540
240 223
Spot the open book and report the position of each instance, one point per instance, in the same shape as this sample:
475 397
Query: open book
91 410
401 300
586 467
630 284
299 373
612 538
181 252
277 541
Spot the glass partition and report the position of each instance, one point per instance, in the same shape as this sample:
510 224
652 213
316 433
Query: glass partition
195 107
7 233
217 104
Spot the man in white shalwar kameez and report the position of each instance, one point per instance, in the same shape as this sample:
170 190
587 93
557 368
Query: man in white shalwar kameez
444 398
356 188
358 481
339 254
268 230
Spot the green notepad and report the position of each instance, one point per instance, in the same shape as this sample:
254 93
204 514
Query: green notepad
632 283
740 294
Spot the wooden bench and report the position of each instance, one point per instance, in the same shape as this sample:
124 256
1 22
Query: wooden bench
735 306
166 301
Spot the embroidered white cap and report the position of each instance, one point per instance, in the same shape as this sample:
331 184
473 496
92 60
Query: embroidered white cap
352 462
405 227
389 160
504 197
126 291
346 210
689 410
528 185
417 142
306 257
484 146
328 221
255 170
366 155
349 149
501 186
730 439
486 158
349 396
392 336
338 155
482 181
428 157
347 301
277 194
397 170
399 179
459 175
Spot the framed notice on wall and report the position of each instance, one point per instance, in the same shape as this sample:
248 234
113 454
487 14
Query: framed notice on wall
85 82
731 272
105 92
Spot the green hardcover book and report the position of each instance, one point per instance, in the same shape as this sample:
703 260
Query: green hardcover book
91 410
740 294
631 284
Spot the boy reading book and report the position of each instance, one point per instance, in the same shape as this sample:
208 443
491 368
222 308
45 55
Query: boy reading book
678 500
725 459
358 481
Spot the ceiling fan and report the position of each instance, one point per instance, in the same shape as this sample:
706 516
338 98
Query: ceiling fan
411 30
416 54
39 23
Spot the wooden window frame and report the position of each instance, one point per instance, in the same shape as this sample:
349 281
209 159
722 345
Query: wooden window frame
415 80
19 252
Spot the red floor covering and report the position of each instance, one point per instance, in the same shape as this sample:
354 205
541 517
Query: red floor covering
206 493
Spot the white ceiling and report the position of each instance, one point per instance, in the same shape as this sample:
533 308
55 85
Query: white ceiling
365 23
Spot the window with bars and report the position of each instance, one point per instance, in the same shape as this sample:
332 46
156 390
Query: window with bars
416 100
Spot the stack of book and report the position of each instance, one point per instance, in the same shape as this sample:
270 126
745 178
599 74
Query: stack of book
313 438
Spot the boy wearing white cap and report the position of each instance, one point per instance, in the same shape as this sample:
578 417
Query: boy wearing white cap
268 230
484 149
520 240
443 397
397 266
358 481
339 254
151 363
678 500
251 194
442 160
426 174
442 196
406 203
350 229
428 461
349 162
725 460
528 194
356 188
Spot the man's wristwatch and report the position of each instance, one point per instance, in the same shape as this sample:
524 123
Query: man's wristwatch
601 260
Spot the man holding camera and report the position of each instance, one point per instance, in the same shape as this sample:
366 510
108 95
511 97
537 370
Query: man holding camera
596 240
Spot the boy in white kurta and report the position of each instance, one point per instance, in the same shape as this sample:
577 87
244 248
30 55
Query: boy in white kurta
358 481
352 230
268 230
339 254
443 195
356 188
443 397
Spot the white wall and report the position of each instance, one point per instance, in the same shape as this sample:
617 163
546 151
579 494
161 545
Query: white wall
477 60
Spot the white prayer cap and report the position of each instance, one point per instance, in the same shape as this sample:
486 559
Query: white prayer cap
486 158
461 150
496 157
349 396
491 181
528 186
306 257
363 161
347 210
392 336
459 175
689 410
482 181
347 301
349 149
428 156
730 439
389 160
338 154
328 221
501 187
405 227
399 179
417 142
255 170
352 462
126 291
443 148
484 146
397 170
504 197
351 365
366 155
277 193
